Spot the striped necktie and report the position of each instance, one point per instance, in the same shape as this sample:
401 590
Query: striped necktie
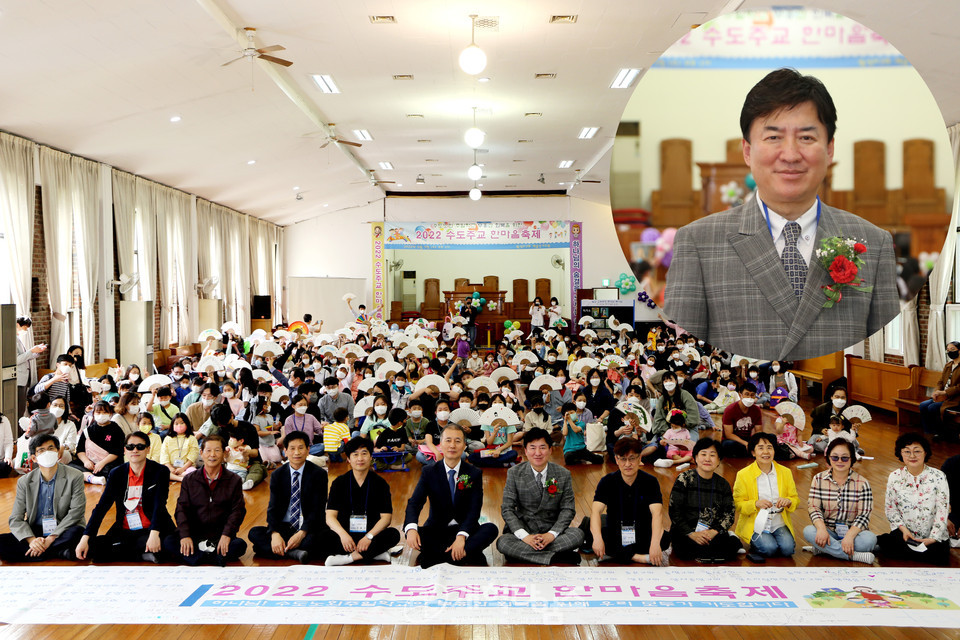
295 500
793 263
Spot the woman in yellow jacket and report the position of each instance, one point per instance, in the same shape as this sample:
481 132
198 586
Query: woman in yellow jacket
765 489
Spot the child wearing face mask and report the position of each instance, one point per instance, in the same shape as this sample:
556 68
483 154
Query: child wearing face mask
783 379
229 394
475 363
147 425
42 422
576 417
301 420
753 375
726 396
376 419
268 428
180 450
66 431
678 451
537 416
100 448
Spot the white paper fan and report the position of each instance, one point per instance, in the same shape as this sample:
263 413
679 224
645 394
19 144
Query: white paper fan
690 352
367 384
361 407
588 333
209 334
354 350
432 380
503 373
230 325
388 369
580 367
853 411
263 376
458 331
328 349
546 380
483 383
238 364
515 334
499 415
465 417
156 380
279 393
799 417
643 417
612 362
458 319
613 323
406 352
378 356
210 362
379 330
524 358
280 334
347 297
269 347
550 334
344 333
585 320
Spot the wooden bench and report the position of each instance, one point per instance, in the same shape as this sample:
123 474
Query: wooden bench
822 370
97 370
907 400
877 384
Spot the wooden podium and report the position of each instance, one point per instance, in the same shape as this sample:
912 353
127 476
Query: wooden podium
486 320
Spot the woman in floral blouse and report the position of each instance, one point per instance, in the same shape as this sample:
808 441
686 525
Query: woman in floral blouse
917 504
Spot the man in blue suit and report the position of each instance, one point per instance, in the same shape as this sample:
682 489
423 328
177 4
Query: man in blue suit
452 532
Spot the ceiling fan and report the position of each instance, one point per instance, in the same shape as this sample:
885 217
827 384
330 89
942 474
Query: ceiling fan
251 51
340 140
373 180
579 180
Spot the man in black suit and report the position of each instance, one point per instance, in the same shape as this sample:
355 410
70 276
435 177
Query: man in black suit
138 490
295 515
452 532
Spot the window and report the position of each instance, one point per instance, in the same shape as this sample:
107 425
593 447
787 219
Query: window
893 337
952 322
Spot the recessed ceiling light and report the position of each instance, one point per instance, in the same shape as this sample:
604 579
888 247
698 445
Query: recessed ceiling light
431 160
383 19
326 205
513 175
563 19
480 185
544 76
424 140
565 164
399 185
533 114
251 162
175 118
414 115
296 188
403 76
325 83
588 132
524 141
362 134
561 183
386 166
436 175
625 78
483 79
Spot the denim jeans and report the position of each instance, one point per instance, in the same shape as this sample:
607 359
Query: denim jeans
770 544
865 541
930 416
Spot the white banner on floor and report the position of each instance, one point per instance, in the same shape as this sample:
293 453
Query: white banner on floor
451 595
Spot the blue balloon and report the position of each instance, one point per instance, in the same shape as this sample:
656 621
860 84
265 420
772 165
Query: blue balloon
750 182
476 294
394 326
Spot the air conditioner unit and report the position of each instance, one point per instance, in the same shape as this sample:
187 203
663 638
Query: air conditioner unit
136 334
408 290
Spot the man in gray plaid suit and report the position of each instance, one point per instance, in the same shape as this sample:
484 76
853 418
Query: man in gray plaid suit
538 507
748 280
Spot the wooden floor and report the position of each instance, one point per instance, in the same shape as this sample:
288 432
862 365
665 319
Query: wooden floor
877 438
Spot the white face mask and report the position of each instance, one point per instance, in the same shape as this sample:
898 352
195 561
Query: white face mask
133 377
101 418
47 459
188 368
839 403
333 393
464 405
56 412
581 404
753 374
748 402
595 382
443 415
64 368
505 391
367 375
416 414
551 358
284 403
380 409
776 368
164 403
300 410
228 394
341 374
732 387
206 401
669 386
441 360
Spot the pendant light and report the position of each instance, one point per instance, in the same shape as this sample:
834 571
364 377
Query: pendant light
472 59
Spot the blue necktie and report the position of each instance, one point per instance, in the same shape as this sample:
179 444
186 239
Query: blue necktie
452 482
295 500
792 261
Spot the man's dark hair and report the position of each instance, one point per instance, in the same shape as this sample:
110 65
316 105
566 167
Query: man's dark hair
212 387
331 381
535 434
626 446
38 441
307 318
293 436
785 89
24 321
137 434
66 357
221 415
356 443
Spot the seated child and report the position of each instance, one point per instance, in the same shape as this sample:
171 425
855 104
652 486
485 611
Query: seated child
393 439
41 420
820 441
726 395
676 440
789 436
576 417
267 430
336 434
238 456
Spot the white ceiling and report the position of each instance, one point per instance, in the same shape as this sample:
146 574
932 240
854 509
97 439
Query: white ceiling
102 78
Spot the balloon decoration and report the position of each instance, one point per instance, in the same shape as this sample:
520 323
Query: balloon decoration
626 283
394 327
750 182
483 301
476 294
664 247
645 298
649 235
507 324
516 325
492 306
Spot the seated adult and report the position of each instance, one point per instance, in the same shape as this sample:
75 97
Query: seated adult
452 532
199 412
672 397
632 530
917 504
209 512
946 396
951 469
332 400
741 420
100 447
228 426
765 495
296 520
538 507
702 510
821 414
138 490
48 509
782 378
359 511
839 503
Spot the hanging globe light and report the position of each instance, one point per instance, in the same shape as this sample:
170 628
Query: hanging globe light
475 172
472 59
475 194
474 137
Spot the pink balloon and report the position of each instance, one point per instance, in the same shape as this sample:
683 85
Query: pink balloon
431 325
668 235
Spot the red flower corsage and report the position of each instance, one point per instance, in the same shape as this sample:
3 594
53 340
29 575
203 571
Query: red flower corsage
552 487
841 259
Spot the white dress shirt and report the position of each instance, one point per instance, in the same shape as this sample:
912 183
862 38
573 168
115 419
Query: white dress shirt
808 230
767 490
446 474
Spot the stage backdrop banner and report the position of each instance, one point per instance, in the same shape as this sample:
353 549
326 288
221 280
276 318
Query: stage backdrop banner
576 269
447 595
516 234
379 271
766 39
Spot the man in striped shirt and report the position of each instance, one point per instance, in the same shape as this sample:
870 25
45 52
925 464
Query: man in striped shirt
57 384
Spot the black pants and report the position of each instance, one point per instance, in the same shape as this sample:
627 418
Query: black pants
121 545
892 546
582 455
722 548
5 470
13 550
171 546
653 454
611 541
261 539
733 449
76 463
434 540
331 544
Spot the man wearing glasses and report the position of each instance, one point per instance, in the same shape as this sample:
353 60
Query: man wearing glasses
138 489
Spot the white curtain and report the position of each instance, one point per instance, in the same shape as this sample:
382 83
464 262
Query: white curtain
875 342
86 216
278 277
182 241
943 271
228 274
125 220
164 222
17 201
241 245
57 198
210 240
911 332
146 207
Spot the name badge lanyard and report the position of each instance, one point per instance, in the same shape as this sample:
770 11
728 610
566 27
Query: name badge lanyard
49 520
628 533
133 500
358 523
766 215
180 461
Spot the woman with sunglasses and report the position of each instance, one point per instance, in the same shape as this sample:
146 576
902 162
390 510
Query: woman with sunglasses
839 503
138 489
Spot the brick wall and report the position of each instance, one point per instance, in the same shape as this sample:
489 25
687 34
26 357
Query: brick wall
40 296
